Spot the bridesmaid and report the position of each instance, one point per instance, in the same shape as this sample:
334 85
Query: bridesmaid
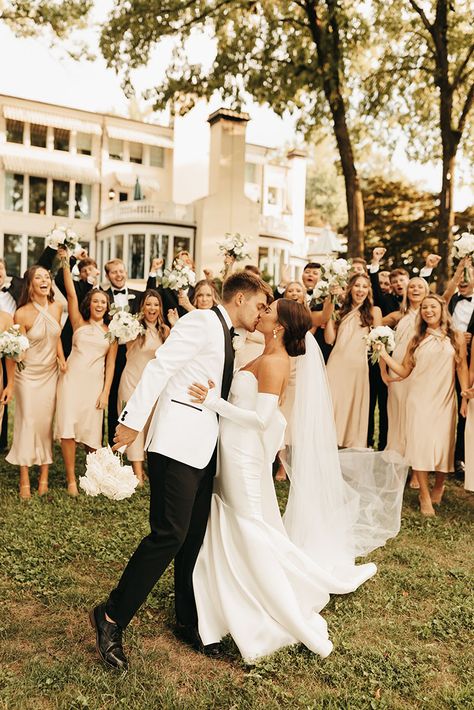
348 367
204 296
84 389
468 412
6 394
139 353
405 322
39 318
432 358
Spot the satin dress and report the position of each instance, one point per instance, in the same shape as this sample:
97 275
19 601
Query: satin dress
35 394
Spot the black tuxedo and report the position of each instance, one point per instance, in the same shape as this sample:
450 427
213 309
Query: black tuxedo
319 335
169 298
113 406
461 425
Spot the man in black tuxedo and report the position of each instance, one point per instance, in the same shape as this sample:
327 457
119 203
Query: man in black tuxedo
169 297
461 307
120 296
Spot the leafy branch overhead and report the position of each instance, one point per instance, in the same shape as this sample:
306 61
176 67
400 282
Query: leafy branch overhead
30 17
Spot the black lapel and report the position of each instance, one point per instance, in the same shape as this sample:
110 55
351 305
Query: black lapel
228 372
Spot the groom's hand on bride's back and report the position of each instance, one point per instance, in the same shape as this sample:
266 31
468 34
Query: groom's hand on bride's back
124 436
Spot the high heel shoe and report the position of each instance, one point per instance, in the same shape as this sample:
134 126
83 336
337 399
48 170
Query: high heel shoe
426 507
25 491
72 489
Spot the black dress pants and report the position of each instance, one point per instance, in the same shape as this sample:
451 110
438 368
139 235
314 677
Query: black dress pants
113 404
460 428
378 393
179 508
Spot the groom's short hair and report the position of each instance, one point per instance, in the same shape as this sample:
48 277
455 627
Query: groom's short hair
242 282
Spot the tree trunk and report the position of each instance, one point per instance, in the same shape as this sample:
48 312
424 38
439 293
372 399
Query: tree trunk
446 216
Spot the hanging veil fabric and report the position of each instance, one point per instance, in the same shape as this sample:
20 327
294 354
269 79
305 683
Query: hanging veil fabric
341 504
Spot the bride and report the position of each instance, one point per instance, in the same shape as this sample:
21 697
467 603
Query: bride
261 579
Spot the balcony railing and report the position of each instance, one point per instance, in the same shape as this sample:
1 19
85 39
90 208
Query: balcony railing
275 226
144 211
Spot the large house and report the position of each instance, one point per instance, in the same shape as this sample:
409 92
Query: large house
113 180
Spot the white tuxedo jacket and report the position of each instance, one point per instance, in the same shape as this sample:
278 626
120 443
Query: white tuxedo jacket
180 429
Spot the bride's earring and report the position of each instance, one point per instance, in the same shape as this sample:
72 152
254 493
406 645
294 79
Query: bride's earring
275 331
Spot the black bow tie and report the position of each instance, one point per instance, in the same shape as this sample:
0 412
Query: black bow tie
309 292
5 289
124 291
460 298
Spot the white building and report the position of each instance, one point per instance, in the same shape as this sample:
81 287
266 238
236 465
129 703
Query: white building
63 166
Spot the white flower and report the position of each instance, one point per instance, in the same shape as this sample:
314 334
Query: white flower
63 236
321 290
235 245
379 334
238 342
105 474
464 246
124 327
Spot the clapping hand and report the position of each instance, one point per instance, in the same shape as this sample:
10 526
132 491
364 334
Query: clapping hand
199 392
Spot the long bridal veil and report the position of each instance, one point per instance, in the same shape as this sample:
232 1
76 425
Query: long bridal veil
341 504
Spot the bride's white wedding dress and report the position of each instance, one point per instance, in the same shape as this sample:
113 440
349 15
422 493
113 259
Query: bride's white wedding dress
250 580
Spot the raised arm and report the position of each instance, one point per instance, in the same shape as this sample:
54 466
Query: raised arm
456 280
392 319
320 318
72 302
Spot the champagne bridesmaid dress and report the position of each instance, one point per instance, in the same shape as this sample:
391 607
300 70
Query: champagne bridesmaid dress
398 391
35 394
139 354
469 447
77 416
431 407
348 374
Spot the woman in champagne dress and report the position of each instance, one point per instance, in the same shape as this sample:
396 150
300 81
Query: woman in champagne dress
83 390
405 321
6 394
433 357
39 318
468 409
347 367
139 352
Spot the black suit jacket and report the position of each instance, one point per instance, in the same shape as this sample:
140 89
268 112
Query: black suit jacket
169 298
388 302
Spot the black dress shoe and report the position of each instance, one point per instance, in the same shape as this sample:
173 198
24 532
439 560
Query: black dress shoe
108 639
459 470
190 635
213 650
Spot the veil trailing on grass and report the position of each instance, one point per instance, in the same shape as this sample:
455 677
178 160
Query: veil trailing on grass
341 504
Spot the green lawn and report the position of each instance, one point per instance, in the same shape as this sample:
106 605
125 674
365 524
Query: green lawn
404 640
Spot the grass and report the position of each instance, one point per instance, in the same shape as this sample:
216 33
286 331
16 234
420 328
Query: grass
404 640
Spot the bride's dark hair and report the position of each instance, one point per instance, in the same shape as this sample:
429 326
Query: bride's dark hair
296 320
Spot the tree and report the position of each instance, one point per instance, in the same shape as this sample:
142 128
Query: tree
295 54
429 62
30 18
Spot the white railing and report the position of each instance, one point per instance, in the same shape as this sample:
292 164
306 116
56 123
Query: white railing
278 226
142 210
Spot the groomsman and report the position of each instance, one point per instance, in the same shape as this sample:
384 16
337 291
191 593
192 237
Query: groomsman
121 296
461 307
169 297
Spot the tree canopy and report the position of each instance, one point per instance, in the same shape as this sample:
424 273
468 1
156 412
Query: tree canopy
30 17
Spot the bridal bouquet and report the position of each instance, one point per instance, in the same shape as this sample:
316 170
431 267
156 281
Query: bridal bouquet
464 246
236 246
106 474
380 334
335 272
13 345
180 277
321 291
63 237
124 326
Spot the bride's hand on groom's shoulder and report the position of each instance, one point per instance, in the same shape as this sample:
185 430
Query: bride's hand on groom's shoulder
199 392
124 436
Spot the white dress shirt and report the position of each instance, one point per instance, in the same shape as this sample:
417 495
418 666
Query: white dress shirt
462 314
120 299
7 302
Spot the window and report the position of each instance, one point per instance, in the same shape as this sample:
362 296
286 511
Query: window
115 149
181 244
105 251
14 131
136 152
61 139
60 198
82 201
38 195
250 172
38 135
157 156
136 256
272 197
263 259
123 196
84 143
159 246
118 246
12 253
14 192
35 249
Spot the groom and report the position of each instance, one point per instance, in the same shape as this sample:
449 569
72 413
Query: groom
181 446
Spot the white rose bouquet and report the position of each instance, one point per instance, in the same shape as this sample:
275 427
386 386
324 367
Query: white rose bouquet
464 246
236 246
63 237
106 474
179 278
321 291
335 272
124 326
13 345
380 334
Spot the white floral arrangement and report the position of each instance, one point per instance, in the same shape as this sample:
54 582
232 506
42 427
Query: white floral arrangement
179 278
379 334
13 345
124 327
320 291
336 272
238 341
63 237
235 245
106 474
464 246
